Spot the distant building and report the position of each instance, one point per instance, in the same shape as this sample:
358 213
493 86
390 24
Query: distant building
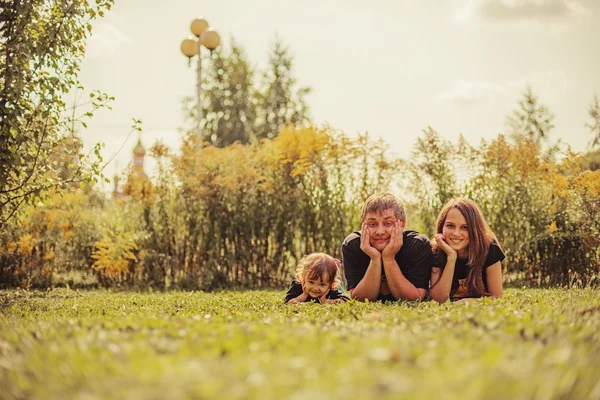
138 162
137 178
116 193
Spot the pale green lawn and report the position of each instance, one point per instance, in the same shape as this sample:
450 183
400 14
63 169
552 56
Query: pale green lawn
532 344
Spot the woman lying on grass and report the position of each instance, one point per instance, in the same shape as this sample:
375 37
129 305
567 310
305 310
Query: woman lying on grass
317 279
467 255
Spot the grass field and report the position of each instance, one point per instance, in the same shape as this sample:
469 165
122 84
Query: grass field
531 344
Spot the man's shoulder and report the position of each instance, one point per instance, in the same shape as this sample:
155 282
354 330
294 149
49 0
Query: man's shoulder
351 239
415 237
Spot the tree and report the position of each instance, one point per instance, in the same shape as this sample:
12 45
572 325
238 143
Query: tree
531 119
430 176
280 102
594 126
42 46
229 98
235 108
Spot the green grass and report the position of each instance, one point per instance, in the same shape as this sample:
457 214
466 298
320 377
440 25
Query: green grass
531 344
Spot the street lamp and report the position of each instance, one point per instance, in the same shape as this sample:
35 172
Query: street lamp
205 35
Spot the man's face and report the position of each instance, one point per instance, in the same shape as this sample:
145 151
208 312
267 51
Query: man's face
380 226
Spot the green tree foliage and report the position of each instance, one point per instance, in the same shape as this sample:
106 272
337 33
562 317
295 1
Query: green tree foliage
531 119
238 108
594 126
42 46
280 102
228 93
430 175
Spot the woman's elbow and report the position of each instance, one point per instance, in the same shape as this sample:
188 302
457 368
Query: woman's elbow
439 298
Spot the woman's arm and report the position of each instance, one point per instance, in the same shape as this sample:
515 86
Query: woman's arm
441 281
494 282
494 279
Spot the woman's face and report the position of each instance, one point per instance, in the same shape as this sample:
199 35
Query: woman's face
456 232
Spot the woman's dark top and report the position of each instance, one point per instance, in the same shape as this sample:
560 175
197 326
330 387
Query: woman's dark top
460 288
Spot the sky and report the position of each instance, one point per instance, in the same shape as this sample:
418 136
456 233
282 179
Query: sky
388 67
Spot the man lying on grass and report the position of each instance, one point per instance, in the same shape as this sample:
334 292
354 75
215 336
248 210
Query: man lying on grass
383 261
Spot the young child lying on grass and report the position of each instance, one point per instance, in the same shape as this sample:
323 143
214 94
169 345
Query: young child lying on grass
317 279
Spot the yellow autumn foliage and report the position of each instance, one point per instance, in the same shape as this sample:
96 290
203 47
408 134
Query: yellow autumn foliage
114 255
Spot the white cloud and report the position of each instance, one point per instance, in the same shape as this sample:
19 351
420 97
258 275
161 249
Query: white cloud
541 12
554 80
105 41
550 84
472 92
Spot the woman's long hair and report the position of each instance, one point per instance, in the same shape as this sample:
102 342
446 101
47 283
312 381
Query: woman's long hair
480 239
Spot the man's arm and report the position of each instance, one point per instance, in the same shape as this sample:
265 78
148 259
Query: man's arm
413 285
369 285
401 288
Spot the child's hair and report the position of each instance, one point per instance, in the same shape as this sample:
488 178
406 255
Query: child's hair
480 239
319 265
379 202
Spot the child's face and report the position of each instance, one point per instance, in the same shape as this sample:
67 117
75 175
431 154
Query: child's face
316 287
456 232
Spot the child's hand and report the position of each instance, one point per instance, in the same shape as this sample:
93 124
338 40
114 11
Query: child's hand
333 301
323 299
304 292
441 241
300 299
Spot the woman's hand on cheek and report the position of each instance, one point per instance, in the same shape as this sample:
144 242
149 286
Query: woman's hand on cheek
442 244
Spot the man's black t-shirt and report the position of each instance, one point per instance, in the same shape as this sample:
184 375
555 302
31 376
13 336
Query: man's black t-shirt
295 290
460 288
415 259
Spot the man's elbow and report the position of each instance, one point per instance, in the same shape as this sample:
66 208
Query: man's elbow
418 295
360 297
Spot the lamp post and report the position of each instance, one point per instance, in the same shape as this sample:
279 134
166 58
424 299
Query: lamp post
209 38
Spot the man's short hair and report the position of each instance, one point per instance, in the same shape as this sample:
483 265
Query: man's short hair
379 202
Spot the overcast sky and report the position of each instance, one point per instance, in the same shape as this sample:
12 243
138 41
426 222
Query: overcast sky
389 67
